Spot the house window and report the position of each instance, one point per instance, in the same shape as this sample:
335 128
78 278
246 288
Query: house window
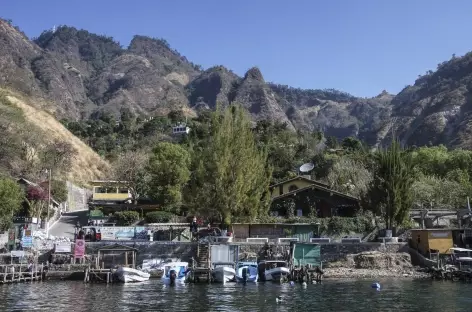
292 188
100 190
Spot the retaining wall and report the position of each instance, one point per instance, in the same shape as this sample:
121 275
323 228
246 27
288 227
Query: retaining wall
186 250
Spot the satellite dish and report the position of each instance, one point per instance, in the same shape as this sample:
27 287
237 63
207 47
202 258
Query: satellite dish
307 167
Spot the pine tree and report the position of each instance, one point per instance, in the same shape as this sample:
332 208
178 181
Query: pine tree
390 193
230 177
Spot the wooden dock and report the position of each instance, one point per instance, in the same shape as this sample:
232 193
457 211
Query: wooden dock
201 274
201 267
100 276
16 273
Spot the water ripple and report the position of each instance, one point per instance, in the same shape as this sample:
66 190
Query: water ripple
339 296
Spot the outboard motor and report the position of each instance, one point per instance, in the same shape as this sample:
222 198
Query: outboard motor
245 275
172 276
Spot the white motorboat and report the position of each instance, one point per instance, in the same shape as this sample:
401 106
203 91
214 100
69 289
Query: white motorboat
274 270
129 275
175 272
246 272
223 272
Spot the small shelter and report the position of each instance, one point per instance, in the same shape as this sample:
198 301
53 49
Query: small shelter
116 255
432 241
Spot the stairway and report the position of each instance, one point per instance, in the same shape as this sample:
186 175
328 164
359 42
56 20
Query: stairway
203 255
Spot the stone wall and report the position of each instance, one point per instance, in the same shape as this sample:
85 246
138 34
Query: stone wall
338 251
77 197
184 251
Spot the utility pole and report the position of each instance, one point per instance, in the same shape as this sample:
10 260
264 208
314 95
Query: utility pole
49 201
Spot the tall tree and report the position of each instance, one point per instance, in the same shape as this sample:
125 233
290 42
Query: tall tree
390 193
230 175
11 197
130 170
169 171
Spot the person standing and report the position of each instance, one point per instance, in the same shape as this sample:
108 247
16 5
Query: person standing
194 228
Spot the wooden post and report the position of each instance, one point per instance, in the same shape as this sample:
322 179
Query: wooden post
134 259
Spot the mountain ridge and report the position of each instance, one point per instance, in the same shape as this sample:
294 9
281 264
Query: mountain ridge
87 74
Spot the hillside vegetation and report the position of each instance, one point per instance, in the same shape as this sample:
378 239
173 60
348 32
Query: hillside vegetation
35 141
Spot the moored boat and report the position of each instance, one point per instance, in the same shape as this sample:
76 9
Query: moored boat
129 275
246 272
175 272
273 270
223 272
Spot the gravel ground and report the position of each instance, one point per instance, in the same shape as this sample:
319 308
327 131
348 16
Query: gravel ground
373 265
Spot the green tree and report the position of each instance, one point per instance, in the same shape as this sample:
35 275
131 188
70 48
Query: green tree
230 176
390 193
11 198
169 171
332 142
176 116
434 192
351 144
125 218
59 191
349 176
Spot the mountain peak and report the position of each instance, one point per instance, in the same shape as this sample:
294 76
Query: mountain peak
254 73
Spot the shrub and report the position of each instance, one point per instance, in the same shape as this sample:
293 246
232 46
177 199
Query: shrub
158 217
125 218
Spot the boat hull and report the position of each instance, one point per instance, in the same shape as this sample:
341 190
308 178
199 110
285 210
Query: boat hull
223 274
166 280
251 275
178 269
128 275
276 274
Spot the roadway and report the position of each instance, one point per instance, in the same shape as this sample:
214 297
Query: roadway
65 226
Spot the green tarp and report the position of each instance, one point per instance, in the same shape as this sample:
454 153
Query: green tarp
304 254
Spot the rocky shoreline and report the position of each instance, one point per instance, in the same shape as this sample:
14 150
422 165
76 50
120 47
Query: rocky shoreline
350 273
374 265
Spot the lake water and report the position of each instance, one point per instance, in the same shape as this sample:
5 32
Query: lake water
396 295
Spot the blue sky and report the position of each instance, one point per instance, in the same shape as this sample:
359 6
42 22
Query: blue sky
357 46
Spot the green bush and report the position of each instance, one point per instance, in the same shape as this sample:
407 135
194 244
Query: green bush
125 218
158 217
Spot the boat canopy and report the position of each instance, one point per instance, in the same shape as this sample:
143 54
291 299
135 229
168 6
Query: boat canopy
460 249
273 261
304 253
